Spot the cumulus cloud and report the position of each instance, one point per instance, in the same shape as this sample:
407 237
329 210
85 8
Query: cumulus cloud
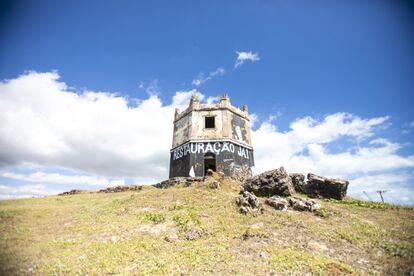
201 78
8 192
43 122
245 56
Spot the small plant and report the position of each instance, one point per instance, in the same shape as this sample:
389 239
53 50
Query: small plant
187 221
154 217
397 249
323 213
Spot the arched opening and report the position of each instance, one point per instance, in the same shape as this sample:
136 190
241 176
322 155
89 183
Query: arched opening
209 162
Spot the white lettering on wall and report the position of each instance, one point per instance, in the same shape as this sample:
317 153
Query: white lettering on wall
217 148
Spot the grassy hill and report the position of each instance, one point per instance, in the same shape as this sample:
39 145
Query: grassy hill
198 230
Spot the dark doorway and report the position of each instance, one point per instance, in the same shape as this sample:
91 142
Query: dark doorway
209 162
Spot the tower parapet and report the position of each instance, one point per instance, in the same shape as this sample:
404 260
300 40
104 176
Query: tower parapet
211 136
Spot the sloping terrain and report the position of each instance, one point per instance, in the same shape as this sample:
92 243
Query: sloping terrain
198 230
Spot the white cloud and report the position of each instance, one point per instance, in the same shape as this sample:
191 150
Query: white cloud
253 119
43 122
57 178
245 56
200 79
8 192
411 124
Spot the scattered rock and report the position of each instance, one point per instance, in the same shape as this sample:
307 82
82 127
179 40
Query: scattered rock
171 238
214 185
319 186
247 201
192 235
243 210
274 182
300 204
296 203
121 188
71 192
278 203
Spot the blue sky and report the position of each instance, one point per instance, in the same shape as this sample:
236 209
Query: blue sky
351 60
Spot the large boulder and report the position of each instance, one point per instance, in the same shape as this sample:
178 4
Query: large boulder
274 182
299 183
323 187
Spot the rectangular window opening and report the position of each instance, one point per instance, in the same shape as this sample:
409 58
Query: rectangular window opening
209 122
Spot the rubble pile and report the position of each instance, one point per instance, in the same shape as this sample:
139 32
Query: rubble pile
280 188
296 203
71 192
184 181
121 188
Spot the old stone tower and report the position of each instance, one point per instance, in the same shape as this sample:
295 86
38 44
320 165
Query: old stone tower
211 136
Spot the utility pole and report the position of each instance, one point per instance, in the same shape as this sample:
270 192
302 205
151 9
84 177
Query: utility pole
369 198
381 192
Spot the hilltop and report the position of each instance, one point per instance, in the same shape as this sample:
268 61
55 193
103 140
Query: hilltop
198 230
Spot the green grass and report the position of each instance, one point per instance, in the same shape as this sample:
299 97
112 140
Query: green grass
125 233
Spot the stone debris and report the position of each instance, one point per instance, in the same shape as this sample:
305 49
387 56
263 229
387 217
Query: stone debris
247 202
270 183
185 181
121 188
296 203
193 234
323 187
277 202
71 192
171 238
300 204
214 185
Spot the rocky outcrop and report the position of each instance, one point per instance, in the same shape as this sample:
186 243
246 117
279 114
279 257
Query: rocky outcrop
247 202
71 192
322 187
120 188
274 182
184 181
298 181
296 203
